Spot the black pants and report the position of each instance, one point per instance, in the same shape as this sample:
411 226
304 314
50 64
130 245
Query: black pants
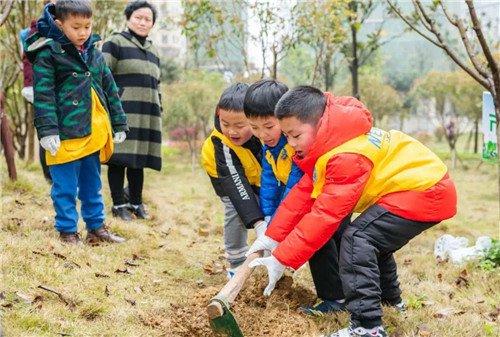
116 179
367 266
43 163
324 266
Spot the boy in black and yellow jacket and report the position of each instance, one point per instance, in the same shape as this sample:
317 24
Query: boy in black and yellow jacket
231 156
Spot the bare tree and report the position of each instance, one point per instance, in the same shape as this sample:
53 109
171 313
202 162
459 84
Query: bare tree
356 51
216 33
108 16
322 29
5 135
479 61
6 139
277 33
19 110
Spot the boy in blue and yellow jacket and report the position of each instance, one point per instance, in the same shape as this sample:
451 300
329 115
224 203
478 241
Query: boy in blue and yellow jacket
279 176
279 173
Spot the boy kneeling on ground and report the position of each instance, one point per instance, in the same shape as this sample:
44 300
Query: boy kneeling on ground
399 186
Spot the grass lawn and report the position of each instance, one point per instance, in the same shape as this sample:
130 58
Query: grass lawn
158 282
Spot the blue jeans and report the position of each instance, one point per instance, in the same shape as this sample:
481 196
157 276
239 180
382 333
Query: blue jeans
82 177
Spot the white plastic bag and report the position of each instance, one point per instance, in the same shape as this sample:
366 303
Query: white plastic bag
446 243
455 248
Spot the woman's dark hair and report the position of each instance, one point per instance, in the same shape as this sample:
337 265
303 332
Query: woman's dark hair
262 96
138 4
65 8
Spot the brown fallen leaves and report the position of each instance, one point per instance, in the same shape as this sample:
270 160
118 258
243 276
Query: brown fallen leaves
462 279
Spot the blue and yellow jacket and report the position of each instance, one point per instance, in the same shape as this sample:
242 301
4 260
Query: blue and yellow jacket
279 175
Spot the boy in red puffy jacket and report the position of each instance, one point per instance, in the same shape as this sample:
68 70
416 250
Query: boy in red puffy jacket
399 186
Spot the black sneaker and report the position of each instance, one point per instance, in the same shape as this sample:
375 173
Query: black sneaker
139 211
324 307
353 331
121 212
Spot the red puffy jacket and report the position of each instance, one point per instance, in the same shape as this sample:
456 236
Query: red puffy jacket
303 225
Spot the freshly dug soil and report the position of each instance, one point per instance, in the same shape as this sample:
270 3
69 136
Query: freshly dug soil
257 315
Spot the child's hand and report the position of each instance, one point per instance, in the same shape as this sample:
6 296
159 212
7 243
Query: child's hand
275 271
119 137
260 228
51 143
264 243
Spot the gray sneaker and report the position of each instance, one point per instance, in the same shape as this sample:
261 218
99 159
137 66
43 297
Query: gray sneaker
353 331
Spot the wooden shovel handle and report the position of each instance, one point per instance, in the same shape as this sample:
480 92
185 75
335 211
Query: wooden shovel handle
232 288
234 285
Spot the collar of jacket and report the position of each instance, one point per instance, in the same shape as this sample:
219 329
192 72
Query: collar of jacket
275 150
37 42
132 38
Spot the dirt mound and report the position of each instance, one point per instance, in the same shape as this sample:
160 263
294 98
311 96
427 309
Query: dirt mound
191 319
256 314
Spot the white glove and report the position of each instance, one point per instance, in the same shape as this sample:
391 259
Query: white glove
260 228
28 94
119 137
264 243
51 143
275 271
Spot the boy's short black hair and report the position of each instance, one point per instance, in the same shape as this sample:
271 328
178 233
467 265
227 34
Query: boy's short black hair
138 4
262 96
233 97
305 103
65 8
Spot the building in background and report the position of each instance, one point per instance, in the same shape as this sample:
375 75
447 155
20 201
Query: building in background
167 35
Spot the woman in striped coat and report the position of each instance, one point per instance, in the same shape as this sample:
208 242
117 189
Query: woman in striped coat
135 65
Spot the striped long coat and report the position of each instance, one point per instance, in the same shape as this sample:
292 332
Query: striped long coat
136 70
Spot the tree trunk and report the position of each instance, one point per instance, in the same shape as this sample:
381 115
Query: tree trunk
8 147
21 143
497 113
468 141
476 134
328 72
354 63
402 121
453 158
274 72
197 58
31 132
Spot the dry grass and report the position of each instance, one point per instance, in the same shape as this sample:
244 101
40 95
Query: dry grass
164 287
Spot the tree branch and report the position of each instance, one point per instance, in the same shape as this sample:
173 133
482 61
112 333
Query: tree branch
423 16
6 8
368 11
476 25
472 55
448 50
412 26
465 40
452 20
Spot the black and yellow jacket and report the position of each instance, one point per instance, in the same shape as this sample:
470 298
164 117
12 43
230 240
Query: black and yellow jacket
235 172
